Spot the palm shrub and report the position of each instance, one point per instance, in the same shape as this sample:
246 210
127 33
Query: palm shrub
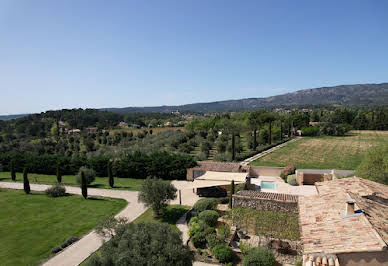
26 183
84 185
223 253
13 174
59 175
259 256
110 175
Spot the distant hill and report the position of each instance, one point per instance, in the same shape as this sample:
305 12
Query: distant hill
9 117
343 95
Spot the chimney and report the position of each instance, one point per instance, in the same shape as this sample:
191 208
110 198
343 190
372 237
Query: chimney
350 207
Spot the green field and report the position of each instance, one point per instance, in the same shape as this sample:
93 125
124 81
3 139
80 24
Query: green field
31 225
326 152
69 180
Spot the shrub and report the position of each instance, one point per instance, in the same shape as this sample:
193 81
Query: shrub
209 217
299 262
202 156
205 204
223 232
212 241
56 190
310 131
223 253
245 248
291 179
259 256
240 187
198 239
289 170
90 175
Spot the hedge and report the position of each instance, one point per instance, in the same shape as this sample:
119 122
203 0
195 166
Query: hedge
140 165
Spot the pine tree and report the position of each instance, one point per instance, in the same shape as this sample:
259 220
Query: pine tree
59 176
13 174
84 185
231 194
26 183
110 175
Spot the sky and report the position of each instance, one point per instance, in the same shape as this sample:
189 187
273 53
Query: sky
96 54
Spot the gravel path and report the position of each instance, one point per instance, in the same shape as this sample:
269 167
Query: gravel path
80 250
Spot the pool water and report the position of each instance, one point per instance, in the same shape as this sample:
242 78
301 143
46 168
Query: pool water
267 185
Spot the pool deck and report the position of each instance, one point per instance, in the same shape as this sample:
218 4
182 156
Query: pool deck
283 187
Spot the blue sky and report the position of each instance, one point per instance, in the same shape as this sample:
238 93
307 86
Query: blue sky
65 54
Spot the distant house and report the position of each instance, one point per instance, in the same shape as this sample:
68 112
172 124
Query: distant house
122 124
91 129
74 131
62 126
346 223
169 124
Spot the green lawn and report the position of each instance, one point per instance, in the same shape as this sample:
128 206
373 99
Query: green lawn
69 180
31 225
326 152
171 216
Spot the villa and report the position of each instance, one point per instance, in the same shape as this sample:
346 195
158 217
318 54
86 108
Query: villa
346 222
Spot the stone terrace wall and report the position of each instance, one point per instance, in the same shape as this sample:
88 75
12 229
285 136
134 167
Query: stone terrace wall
266 201
265 171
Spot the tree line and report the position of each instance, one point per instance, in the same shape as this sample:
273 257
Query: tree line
159 164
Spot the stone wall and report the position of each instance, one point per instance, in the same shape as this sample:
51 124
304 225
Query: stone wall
265 204
265 171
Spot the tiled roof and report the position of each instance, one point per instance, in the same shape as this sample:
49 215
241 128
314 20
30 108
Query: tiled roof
267 196
323 227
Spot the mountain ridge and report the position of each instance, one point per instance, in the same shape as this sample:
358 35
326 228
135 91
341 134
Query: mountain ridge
371 94
344 95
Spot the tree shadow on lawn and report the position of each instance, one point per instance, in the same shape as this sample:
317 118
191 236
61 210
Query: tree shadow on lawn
172 214
95 198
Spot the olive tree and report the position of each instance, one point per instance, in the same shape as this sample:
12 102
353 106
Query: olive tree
155 193
144 244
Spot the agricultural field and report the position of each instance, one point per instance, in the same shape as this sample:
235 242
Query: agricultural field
326 152
31 225
69 180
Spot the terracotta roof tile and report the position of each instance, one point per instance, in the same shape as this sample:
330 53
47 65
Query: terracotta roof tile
324 229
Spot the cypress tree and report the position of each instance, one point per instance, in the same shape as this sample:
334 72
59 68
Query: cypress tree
84 185
231 194
233 147
13 174
26 183
59 176
110 175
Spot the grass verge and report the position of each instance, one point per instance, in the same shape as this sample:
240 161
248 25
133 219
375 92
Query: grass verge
31 225
69 180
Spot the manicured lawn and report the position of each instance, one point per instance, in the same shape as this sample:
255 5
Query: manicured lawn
69 180
326 152
171 216
31 225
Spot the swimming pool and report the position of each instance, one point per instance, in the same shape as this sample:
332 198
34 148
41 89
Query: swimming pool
267 185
